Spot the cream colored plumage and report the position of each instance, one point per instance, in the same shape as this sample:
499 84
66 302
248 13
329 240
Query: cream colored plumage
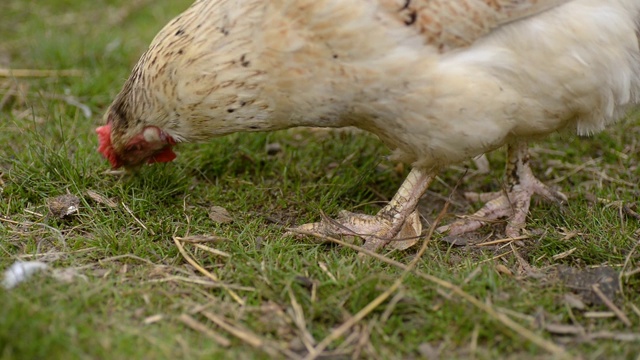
438 81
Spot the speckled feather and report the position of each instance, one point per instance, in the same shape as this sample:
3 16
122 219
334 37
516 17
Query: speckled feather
447 24
438 81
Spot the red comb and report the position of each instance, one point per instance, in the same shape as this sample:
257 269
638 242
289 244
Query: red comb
104 145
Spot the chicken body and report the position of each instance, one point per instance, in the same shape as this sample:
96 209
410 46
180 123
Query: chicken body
437 81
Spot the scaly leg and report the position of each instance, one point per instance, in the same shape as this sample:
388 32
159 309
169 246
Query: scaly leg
514 203
398 220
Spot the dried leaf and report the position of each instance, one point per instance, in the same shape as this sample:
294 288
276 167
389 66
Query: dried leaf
101 199
219 215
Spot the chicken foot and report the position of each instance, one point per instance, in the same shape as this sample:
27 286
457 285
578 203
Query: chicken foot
512 203
397 221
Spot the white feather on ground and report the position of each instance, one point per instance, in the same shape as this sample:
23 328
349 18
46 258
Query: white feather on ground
20 271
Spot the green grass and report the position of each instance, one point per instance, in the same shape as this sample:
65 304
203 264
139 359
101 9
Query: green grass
126 273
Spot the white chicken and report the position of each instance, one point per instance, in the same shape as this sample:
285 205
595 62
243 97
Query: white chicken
438 81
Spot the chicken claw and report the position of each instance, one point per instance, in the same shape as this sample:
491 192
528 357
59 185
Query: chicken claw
397 225
513 204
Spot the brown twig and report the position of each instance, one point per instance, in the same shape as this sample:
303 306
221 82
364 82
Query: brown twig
616 310
629 273
56 253
492 258
200 327
195 239
629 211
300 322
212 250
206 283
250 338
136 219
627 260
126 256
607 335
505 240
599 314
205 272
391 306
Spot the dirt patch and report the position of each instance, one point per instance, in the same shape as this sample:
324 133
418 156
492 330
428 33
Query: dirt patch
582 281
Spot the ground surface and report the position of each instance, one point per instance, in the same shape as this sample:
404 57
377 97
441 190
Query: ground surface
119 287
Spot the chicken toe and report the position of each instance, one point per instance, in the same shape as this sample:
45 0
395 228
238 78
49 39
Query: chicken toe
513 203
397 225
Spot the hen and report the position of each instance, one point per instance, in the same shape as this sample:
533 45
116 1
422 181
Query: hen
438 81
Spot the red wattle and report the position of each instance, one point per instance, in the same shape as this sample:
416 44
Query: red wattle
166 155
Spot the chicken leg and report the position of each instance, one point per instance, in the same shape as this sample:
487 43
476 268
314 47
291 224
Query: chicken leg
398 220
514 203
